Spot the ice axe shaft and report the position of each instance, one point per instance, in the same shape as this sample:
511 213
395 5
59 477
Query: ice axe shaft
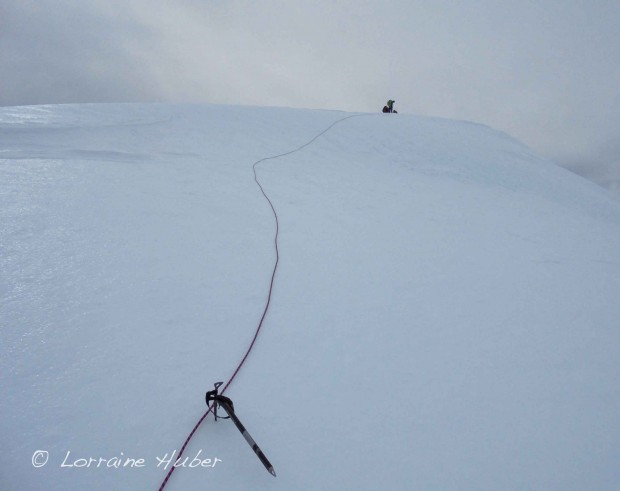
227 405
248 438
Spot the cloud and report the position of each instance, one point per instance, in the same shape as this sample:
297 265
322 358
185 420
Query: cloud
63 51
602 168
545 72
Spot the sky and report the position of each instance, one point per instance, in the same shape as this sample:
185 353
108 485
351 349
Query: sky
544 71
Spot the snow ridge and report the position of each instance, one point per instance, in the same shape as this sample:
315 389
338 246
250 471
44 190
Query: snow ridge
444 316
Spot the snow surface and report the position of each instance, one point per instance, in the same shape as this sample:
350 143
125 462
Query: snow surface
445 315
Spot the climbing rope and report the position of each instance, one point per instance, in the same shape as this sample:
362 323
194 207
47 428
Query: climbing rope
269 295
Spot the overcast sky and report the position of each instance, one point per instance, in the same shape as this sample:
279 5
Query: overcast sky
545 71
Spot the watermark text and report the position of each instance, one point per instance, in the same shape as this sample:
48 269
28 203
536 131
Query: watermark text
41 458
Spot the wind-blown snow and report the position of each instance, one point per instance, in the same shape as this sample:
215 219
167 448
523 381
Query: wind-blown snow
445 315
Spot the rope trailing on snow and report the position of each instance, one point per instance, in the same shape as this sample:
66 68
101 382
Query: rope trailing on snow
271 283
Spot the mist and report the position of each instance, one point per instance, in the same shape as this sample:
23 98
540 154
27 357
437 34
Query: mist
545 72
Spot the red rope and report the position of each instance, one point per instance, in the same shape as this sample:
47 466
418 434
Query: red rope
273 276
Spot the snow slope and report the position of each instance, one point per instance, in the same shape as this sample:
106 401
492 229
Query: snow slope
445 315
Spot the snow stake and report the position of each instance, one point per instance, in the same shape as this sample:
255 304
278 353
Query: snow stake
226 404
